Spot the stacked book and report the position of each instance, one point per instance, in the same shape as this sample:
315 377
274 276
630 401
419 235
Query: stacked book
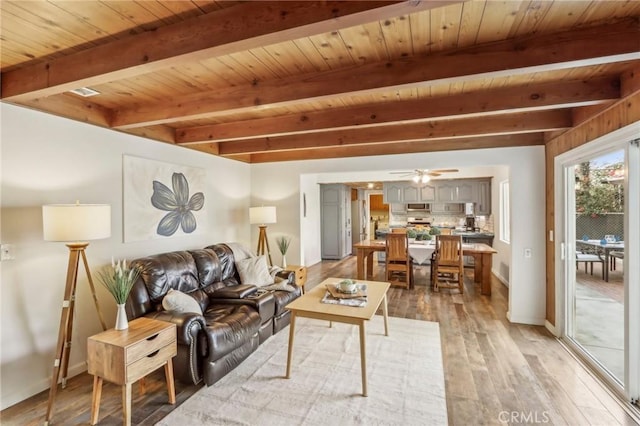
336 297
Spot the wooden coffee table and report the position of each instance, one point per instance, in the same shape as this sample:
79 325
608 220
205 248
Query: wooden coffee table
310 306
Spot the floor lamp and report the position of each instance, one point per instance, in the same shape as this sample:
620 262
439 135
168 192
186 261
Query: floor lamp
74 224
261 216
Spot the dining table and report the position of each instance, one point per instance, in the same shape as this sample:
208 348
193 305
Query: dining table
606 247
421 252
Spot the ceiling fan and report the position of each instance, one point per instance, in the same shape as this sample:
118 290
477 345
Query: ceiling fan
424 175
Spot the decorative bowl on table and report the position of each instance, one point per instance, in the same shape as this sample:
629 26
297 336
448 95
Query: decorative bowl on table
347 286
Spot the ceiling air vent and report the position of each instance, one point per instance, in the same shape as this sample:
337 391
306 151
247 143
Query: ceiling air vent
85 92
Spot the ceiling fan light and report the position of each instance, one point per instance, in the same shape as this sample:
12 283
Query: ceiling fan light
416 178
425 178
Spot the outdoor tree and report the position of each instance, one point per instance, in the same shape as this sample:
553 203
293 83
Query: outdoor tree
599 189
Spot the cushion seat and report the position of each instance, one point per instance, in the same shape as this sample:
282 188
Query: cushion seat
228 327
282 298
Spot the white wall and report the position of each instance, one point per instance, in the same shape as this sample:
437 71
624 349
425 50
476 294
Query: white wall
526 175
501 266
46 159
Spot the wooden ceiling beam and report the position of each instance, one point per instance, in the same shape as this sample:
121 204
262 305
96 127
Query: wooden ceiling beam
73 107
568 49
234 29
511 99
526 139
527 122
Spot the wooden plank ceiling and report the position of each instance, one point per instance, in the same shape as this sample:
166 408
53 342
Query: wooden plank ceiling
279 81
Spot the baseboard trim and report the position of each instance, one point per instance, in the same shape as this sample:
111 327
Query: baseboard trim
551 328
500 278
12 399
525 320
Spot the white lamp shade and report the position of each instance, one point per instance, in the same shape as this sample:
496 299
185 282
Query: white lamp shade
76 222
262 215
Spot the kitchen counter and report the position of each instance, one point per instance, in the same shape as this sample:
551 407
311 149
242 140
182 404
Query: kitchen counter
473 233
476 237
381 232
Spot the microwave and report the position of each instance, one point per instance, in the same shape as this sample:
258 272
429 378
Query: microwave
418 207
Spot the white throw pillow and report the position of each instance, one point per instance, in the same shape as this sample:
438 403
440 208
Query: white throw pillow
254 270
178 301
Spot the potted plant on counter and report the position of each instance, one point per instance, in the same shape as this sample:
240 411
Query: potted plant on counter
411 235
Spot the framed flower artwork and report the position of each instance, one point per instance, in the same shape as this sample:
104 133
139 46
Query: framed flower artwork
161 199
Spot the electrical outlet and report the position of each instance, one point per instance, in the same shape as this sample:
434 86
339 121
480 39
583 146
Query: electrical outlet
6 252
527 253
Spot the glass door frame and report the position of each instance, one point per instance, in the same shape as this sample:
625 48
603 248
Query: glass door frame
565 252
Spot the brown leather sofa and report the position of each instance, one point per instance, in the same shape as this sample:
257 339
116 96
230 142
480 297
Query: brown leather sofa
236 317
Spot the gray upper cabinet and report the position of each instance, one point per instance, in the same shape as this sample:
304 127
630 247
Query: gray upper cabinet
454 191
465 192
446 192
447 208
411 194
398 208
428 193
483 197
393 192
408 192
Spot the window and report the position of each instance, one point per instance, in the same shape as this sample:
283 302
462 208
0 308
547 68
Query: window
505 217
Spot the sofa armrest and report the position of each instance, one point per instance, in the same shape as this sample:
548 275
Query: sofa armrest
186 365
234 292
188 324
289 276
262 301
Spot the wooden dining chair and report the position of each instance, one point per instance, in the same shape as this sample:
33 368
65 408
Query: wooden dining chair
447 269
399 230
399 269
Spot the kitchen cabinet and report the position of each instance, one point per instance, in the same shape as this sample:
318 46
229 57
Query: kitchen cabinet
393 192
483 198
428 193
377 203
445 192
408 192
456 191
465 192
335 222
398 208
447 208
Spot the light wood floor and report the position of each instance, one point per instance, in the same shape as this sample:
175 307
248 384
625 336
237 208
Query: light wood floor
495 372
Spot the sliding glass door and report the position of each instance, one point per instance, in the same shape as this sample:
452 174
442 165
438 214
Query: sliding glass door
600 282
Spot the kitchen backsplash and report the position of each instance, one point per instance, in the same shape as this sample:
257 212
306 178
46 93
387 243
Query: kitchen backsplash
485 223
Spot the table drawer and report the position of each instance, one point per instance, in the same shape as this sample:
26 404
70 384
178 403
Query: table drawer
150 362
149 345
301 275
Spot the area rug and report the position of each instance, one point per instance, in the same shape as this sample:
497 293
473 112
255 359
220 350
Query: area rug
405 380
